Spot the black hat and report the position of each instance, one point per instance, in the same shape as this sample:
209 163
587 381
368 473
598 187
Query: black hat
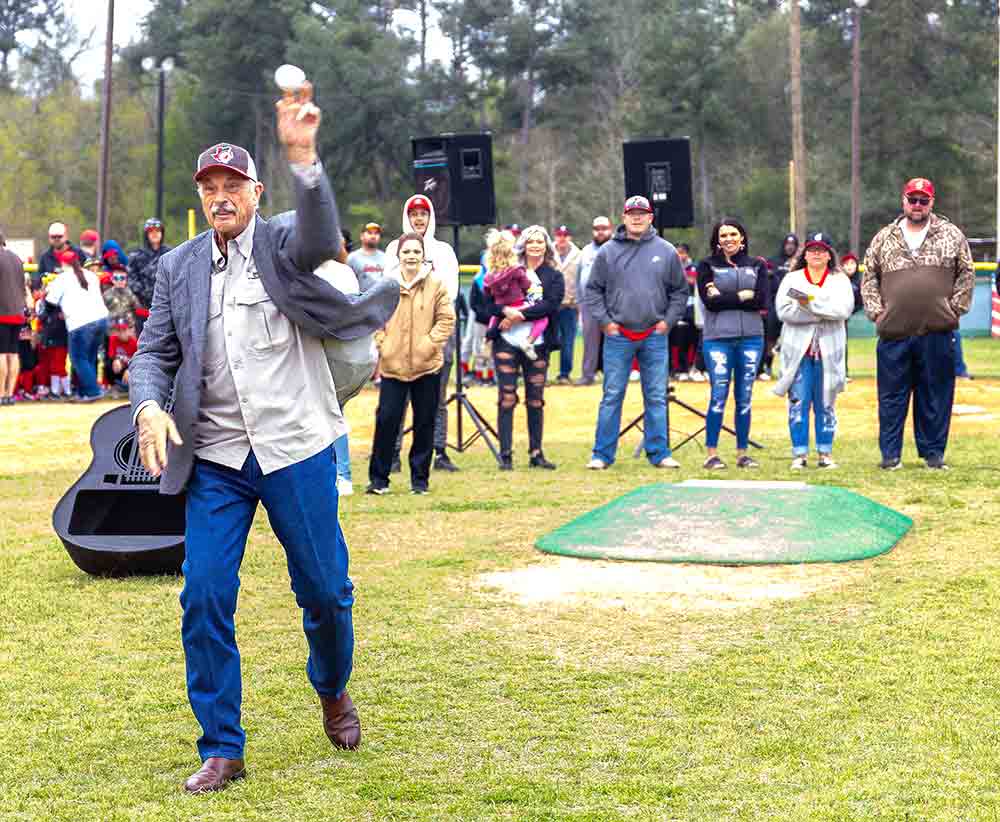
819 239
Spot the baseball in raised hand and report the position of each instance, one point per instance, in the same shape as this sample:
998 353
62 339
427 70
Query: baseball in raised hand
298 121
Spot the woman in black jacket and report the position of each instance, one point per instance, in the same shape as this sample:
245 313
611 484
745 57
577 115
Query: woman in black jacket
536 253
734 289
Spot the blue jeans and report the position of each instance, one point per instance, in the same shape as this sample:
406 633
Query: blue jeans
342 456
923 367
566 318
734 359
301 504
618 353
84 345
807 390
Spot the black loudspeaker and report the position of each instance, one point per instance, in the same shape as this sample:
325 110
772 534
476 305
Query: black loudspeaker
455 171
661 171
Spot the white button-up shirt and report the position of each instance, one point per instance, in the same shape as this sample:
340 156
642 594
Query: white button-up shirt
265 384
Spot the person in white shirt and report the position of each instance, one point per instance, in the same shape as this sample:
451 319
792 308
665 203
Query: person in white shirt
78 294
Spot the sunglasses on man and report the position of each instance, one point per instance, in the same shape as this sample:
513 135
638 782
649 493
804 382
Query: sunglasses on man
918 200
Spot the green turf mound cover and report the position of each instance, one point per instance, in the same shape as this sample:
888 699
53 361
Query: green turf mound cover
733 523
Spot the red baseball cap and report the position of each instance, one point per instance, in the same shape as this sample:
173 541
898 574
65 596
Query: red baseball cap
919 185
419 202
228 156
637 203
563 231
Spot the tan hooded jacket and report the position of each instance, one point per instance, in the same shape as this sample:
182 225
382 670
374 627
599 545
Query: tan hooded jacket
412 343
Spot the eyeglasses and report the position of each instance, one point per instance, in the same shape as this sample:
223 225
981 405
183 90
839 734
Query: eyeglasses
56 236
918 200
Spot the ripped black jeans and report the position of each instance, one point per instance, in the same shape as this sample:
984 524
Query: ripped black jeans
508 362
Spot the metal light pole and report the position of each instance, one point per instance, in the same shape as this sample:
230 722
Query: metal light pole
855 242
104 171
997 230
164 67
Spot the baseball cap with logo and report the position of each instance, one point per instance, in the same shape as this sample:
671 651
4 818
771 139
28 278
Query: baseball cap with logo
563 231
419 202
919 185
227 156
373 227
818 240
637 203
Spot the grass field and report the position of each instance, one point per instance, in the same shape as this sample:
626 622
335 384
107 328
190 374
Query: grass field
865 691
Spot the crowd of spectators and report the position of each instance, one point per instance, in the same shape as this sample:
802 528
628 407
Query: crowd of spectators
77 324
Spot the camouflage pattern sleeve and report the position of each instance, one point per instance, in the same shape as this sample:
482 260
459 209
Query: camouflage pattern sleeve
871 293
965 280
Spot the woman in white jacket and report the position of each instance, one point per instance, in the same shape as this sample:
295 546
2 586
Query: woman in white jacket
78 294
813 301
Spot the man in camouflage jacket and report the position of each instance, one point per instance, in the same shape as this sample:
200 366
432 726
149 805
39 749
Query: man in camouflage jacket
918 281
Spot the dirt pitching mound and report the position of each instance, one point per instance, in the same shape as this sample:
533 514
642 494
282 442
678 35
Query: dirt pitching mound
646 587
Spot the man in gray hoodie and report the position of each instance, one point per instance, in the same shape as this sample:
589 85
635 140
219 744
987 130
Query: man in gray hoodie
636 292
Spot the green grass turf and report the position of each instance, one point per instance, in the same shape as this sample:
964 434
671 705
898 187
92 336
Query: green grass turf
872 697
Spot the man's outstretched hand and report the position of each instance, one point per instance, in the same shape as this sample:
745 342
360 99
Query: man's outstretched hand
298 122
154 427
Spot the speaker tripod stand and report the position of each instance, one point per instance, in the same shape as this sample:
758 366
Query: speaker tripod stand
672 398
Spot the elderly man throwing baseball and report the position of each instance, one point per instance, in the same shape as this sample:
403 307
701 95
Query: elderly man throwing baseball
235 327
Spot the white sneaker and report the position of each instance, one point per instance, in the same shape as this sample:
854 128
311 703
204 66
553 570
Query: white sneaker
764 377
825 461
344 487
684 377
668 462
633 377
697 376
799 463
596 464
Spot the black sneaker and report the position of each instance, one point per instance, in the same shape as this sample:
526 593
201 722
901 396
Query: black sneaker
443 463
746 461
396 467
937 463
563 379
714 464
891 464
420 490
377 489
538 461
506 462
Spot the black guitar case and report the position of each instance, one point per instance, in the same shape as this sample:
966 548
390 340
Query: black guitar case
113 520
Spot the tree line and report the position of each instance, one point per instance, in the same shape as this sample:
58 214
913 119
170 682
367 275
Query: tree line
559 83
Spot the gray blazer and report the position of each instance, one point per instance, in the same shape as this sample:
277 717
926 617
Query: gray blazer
286 250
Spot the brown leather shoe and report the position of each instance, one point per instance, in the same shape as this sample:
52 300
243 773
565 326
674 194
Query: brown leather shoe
340 721
214 774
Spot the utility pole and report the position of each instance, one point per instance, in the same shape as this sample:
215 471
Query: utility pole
104 171
856 129
798 137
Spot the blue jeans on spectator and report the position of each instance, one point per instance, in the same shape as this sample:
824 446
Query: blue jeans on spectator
734 359
342 456
923 367
652 355
807 390
301 504
84 345
566 318
961 369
